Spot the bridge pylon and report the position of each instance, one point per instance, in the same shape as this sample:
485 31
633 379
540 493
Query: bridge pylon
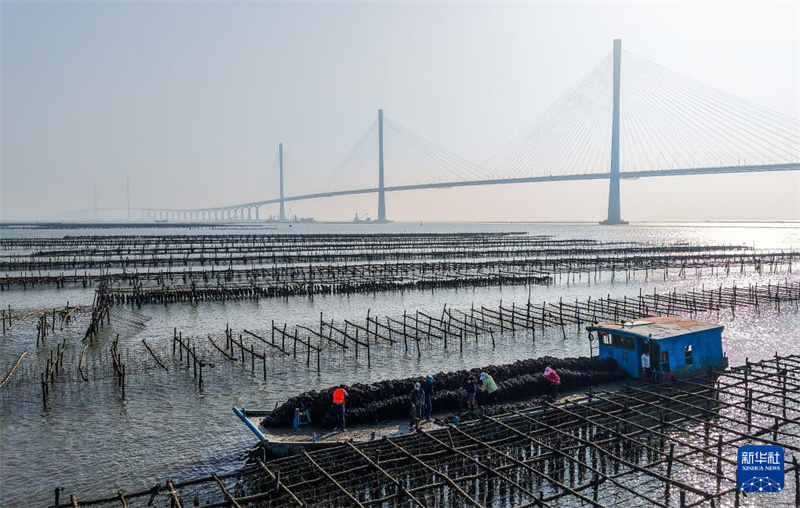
381 186
282 211
614 212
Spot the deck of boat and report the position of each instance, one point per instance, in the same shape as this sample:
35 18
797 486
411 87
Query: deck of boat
307 433
283 441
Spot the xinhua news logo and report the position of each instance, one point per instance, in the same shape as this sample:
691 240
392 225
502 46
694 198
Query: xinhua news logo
760 468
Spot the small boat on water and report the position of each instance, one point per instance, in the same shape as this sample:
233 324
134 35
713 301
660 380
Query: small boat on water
292 440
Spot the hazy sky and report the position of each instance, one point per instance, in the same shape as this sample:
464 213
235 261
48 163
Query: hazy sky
189 99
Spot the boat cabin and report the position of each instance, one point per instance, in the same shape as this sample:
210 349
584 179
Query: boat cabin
675 347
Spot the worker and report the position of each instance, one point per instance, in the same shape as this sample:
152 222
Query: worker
470 385
553 380
489 386
339 398
417 397
427 389
645 359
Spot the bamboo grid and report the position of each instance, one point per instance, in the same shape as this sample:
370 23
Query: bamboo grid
180 280
645 445
110 252
451 328
286 281
413 333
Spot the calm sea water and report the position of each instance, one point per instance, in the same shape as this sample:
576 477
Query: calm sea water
92 442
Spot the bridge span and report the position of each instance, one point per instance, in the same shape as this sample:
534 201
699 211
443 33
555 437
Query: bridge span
250 210
674 126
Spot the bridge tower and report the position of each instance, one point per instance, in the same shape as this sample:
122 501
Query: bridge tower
282 212
614 213
381 187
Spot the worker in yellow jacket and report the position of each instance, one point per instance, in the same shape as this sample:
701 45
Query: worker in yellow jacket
490 387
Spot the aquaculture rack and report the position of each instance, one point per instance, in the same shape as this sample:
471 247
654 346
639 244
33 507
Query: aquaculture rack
645 445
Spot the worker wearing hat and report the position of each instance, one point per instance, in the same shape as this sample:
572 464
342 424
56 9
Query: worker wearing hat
417 397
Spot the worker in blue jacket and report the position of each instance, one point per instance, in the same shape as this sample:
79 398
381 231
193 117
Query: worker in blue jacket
427 388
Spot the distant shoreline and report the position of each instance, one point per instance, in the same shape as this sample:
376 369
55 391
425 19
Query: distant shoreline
275 226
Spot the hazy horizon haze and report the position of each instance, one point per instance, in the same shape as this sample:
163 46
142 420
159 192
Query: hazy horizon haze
190 100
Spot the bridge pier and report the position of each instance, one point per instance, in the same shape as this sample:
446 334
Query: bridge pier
282 210
128 196
381 186
614 212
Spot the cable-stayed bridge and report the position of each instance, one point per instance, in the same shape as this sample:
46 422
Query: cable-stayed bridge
644 122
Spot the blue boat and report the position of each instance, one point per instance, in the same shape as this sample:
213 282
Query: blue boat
675 347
